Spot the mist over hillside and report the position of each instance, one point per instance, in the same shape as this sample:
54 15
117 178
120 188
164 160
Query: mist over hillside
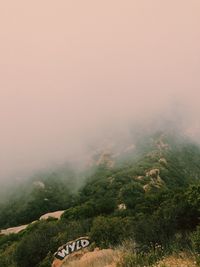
146 192
114 146
99 127
73 76
166 152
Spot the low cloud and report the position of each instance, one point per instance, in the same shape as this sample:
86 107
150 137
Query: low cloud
74 75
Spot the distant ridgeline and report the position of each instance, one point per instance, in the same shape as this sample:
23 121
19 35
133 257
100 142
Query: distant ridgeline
72 247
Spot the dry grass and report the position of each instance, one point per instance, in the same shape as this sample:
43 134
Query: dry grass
181 260
97 258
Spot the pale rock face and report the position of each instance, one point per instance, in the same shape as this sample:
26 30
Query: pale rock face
140 178
154 173
163 161
106 159
146 187
122 206
155 180
161 145
57 263
39 184
56 215
16 230
13 230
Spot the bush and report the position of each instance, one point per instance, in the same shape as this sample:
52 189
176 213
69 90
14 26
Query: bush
195 240
7 256
34 246
90 209
47 262
110 231
140 259
131 194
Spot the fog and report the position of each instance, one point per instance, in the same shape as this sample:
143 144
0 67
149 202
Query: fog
73 73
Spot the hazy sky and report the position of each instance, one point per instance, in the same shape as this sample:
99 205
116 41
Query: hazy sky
74 70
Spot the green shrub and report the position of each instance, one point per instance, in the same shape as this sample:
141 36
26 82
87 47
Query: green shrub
195 239
131 194
139 260
34 246
90 209
110 231
7 256
47 262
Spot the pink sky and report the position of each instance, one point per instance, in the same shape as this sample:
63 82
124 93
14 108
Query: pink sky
72 69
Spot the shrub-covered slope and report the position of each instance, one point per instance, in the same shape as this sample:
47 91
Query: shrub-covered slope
150 196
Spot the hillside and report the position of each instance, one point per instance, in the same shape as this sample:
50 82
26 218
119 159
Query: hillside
143 198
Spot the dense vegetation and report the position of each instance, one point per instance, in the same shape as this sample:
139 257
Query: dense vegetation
152 199
42 194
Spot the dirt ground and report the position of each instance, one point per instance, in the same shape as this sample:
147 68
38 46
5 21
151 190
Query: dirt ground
109 258
96 258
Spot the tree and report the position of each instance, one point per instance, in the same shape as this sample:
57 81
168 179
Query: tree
131 194
34 246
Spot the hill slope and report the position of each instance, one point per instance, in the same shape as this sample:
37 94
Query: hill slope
149 194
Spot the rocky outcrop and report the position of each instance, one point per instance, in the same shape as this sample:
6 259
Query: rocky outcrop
39 184
122 206
106 159
160 143
140 178
13 230
56 215
155 180
163 161
147 187
153 173
57 263
16 230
